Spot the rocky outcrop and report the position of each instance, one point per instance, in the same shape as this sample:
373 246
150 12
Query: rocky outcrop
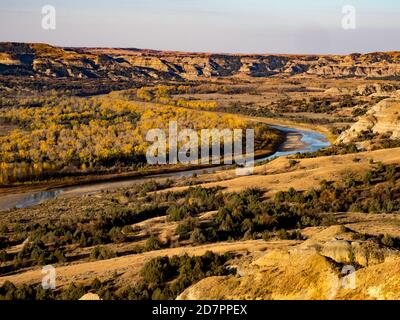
376 89
47 61
383 118
329 265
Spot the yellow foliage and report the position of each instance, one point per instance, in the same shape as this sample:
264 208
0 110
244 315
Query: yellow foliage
81 133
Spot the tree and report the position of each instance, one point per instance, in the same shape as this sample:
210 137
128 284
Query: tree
3 256
156 270
197 236
152 243
102 253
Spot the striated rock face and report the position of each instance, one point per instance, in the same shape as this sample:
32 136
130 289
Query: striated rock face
383 118
376 89
329 265
23 59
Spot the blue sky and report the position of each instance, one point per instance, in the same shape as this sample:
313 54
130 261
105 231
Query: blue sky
245 26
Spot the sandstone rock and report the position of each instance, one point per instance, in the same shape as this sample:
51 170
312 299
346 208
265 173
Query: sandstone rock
338 250
36 59
362 254
278 275
376 89
383 118
315 269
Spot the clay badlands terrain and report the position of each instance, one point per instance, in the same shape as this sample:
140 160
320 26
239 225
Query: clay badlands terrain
124 64
76 193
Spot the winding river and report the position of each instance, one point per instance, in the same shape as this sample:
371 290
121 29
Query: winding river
297 141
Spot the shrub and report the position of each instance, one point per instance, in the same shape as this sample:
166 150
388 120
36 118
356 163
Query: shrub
152 243
178 213
3 255
388 241
287 235
102 253
185 228
197 236
116 235
266 236
4 228
73 292
293 163
166 278
156 270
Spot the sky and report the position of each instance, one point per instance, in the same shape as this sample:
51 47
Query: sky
229 26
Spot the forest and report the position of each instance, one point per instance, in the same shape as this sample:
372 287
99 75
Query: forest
62 136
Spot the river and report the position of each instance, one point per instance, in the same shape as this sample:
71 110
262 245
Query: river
297 141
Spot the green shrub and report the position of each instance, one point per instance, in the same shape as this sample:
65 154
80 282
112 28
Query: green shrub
102 253
185 228
197 236
152 243
388 241
73 292
156 270
3 256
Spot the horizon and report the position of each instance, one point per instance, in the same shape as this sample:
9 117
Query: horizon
198 52
236 27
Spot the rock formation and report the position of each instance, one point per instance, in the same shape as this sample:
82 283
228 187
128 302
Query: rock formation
43 60
329 265
375 89
383 118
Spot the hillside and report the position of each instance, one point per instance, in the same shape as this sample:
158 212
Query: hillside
42 60
274 267
310 270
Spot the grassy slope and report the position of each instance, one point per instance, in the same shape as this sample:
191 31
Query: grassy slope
306 174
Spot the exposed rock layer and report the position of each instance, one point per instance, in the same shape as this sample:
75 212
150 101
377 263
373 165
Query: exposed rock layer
330 265
383 118
45 60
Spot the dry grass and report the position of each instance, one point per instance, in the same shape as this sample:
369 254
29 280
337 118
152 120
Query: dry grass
278 176
128 267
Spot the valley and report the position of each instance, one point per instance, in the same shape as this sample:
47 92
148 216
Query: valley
76 191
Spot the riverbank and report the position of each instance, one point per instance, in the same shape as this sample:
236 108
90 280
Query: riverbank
11 197
300 126
296 140
70 181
